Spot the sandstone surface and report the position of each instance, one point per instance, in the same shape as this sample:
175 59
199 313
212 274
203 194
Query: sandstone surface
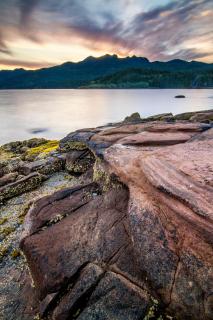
132 237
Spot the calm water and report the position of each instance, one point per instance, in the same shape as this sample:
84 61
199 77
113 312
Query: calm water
63 111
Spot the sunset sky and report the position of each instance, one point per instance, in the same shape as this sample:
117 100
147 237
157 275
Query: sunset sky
40 33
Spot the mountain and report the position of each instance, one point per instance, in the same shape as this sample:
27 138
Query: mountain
110 71
152 78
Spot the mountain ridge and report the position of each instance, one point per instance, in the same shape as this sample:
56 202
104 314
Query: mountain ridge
83 73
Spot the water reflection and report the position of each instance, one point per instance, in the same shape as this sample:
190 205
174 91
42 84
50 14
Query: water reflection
62 111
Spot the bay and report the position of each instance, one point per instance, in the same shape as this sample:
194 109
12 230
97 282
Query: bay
54 113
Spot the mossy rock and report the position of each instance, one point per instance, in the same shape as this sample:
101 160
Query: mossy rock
160 117
6 231
104 179
3 220
184 116
47 147
5 155
15 253
16 146
74 145
28 183
78 162
3 251
202 117
134 117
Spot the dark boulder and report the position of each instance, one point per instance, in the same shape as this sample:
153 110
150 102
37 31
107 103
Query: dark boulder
180 96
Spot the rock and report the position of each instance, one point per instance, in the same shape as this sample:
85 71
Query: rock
67 200
11 165
134 117
189 115
89 277
76 140
13 189
160 117
180 96
132 239
18 295
206 135
78 162
76 249
45 166
171 196
8 178
178 132
71 241
16 146
203 117
156 139
115 297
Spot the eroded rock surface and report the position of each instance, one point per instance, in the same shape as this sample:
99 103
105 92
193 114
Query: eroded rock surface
132 238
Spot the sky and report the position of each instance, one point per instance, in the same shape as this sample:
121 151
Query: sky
42 33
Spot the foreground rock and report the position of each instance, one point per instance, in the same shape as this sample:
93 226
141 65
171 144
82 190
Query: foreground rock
132 238
18 297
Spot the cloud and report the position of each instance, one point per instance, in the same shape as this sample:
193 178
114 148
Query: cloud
167 31
3 48
174 29
24 64
26 10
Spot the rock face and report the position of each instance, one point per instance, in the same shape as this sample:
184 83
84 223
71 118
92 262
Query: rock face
30 182
133 239
22 170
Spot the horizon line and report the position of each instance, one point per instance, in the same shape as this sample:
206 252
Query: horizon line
98 57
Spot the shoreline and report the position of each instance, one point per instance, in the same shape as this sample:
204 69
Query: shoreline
107 210
30 134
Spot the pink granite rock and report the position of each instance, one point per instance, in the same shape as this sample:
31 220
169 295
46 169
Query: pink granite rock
106 251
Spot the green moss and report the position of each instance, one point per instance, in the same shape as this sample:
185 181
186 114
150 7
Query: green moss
151 314
79 166
23 213
76 145
43 148
76 314
3 251
5 231
5 155
20 220
133 117
15 253
24 186
3 220
104 179
184 116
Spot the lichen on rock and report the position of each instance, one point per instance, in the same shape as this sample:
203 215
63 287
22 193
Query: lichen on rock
46 147
128 236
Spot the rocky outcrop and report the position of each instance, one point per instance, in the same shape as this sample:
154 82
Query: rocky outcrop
134 117
132 239
27 183
24 165
200 116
